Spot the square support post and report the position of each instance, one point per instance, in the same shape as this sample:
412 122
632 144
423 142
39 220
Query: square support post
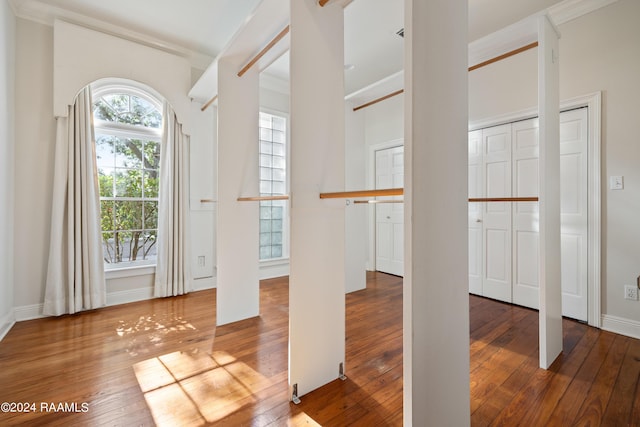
436 281
238 287
317 261
550 323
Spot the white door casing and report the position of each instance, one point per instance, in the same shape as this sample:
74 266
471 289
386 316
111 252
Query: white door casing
475 212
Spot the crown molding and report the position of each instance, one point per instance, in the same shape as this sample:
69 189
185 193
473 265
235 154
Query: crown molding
569 10
34 10
525 31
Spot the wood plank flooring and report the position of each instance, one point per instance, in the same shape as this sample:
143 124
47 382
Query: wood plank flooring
163 362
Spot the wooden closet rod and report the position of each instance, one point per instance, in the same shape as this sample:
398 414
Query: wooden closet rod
323 2
375 101
503 199
363 193
504 56
474 67
400 192
209 102
473 200
266 49
377 201
263 198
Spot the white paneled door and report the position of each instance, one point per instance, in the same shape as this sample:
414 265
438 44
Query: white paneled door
509 247
525 214
496 221
573 212
389 171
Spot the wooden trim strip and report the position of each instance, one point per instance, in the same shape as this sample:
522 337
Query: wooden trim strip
375 101
263 198
474 67
377 201
503 199
400 192
266 49
209 102
504 56
363 193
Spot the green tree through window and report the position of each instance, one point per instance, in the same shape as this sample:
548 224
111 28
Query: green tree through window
128 132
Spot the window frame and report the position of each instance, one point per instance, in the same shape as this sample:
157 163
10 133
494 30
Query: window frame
287 206
126 131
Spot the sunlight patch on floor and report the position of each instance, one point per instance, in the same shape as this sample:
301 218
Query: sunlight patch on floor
195 387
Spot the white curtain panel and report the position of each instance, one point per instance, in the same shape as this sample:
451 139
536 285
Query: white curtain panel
75 274
173 269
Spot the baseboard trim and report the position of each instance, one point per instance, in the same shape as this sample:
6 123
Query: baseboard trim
620 325
204 284
6 323
271 270
131 295
28 312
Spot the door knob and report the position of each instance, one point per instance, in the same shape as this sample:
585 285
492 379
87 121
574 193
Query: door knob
478 220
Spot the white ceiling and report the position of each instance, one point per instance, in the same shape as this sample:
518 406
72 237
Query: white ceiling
206 26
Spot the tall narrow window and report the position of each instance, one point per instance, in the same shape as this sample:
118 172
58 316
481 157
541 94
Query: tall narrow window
273 181
128 131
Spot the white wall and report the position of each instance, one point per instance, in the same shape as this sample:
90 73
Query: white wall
274 100
384 121
203 184
35 139
598 52
7 108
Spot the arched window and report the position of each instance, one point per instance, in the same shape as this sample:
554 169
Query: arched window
128 132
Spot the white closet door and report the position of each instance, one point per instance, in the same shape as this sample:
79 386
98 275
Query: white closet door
508 245
390 216
573 212
475 212
525 215
496 221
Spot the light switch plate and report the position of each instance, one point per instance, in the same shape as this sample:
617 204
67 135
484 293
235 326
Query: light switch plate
616 182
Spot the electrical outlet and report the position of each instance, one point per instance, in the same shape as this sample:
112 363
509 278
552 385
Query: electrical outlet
631 292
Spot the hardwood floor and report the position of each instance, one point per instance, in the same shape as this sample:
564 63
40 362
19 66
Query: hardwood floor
163 362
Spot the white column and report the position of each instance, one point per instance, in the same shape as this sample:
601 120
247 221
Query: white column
436 293
356 215
549 134
238 292
317 269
